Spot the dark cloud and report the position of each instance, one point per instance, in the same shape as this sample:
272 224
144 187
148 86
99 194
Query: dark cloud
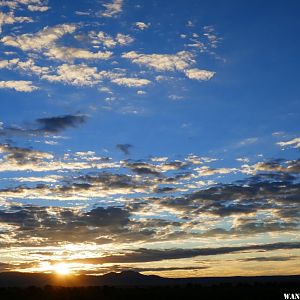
5 267
149 255
22 156
125 148
57 124
270 258
142 168
160 269
55 224
44 126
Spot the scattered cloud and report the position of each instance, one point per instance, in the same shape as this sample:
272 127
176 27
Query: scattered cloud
32 5
8 19
124 148
175 97
69 54
151 255
162 62
112 9
18 85
78 75
38 8
40 40
201 75
109 41
28 66
295 143
57 124
141 25
131 82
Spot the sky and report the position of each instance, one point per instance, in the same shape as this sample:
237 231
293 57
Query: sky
156 136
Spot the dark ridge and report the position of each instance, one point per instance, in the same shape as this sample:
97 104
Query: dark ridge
129 279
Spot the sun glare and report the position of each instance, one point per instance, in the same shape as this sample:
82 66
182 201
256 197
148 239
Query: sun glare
62 269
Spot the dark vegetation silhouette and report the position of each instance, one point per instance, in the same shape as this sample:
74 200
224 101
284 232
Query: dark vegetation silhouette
132 285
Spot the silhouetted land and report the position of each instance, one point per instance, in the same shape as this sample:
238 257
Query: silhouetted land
132 285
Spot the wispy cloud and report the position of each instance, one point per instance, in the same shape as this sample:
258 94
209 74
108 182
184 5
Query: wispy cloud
294 143
11 19
112 9
40 40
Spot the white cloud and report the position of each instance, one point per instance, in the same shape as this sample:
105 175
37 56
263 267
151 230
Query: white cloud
198 74
190 23
81 75
13 4
124 39
210 34
131 82
38 8
162 62
140 92
142 25
206 171
108 41
112 9
18 85
28 66
69 54
42 39
295 143
11 19
175 97
243 159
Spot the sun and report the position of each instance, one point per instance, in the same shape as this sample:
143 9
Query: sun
62 269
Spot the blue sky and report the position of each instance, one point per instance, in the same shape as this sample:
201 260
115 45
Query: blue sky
157 114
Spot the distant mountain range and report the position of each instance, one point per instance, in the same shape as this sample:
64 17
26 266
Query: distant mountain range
128 278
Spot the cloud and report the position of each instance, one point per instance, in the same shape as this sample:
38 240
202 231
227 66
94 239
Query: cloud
57 124
21 156
175 97
162 62
151 255
206 41
38 8
112 9
11 19
18 85
124 148
41 40
143 168
80 75
109 41
210 34
295 143
27 66
141 25
198 74
269 258
44 126
32 5
206 171
69 54
290 166
57 224
140 92
131 82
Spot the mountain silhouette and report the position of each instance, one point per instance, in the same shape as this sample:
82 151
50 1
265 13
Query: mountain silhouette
127 278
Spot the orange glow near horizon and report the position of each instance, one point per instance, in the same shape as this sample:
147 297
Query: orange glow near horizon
62 269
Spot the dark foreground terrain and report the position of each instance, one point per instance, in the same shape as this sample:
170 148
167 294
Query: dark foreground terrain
190 291
132 285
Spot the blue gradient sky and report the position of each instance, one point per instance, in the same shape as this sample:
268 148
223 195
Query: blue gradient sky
147 112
